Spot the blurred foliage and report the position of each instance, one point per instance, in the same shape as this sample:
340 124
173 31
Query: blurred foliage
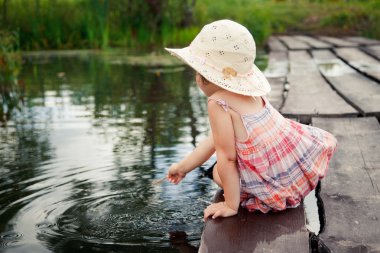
318 17
10 66
97 23
152 24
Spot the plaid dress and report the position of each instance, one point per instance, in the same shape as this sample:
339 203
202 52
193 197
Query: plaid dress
281 161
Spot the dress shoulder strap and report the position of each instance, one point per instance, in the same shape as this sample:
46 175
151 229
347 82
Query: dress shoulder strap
223 104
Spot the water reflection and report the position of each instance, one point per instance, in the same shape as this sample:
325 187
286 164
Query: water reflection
334 67
76 165
78 162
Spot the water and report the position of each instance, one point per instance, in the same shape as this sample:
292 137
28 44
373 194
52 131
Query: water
78 162
313 223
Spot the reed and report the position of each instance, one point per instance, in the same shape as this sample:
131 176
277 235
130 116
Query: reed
10 66
66 24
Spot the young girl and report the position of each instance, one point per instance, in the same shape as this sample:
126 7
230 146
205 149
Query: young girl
264 161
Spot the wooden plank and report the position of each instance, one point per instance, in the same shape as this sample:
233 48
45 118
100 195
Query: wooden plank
360 61
300 63
256 232
374 51
275 45
278 67
360 91
351 189
309 94
294 44
276 97
314 42
278 64
363 41
338 42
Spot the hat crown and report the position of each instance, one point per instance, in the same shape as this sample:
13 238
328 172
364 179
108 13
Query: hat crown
224 52
225 44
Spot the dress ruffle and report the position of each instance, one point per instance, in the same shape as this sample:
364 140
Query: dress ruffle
281 161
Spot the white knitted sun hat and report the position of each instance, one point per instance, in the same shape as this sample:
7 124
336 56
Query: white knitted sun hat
224 53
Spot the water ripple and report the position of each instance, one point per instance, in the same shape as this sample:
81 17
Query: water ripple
9 239
78 161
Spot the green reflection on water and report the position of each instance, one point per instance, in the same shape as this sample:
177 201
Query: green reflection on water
77 162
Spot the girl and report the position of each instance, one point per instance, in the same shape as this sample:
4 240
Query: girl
264 161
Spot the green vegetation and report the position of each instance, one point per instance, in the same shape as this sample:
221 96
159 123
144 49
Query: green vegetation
10 66
152 24
328 17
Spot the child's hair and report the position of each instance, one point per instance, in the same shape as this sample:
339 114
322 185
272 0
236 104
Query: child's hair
204 80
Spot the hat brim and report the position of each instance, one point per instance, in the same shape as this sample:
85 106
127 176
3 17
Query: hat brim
252 84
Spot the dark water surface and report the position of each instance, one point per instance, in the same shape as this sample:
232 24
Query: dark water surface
77 163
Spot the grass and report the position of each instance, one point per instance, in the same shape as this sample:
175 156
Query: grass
264 18
149 25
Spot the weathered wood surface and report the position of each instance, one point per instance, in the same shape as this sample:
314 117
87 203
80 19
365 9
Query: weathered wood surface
314 42
256 232
275 45
300 63
276 72
360 61
309 94
360 91
294 44
338 42
351 190
320 84
276 97
362 40
278 64
373 51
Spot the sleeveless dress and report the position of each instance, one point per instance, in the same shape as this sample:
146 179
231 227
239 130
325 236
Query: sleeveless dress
281 161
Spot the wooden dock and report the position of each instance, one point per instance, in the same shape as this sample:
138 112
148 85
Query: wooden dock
332 83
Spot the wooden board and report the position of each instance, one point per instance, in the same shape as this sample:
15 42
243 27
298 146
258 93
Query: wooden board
360 61
276 71
338 42
276 96
360 91
351 189
313 42
294 44
362 40
256 232
374 51
300 63
275 45
278 65
309 94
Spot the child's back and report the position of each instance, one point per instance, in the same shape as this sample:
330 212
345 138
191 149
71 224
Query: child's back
264 161
280 161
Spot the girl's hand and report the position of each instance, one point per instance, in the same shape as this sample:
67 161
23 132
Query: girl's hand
175 175
220 209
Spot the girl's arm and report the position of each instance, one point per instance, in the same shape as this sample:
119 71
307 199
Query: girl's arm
196 158
224 142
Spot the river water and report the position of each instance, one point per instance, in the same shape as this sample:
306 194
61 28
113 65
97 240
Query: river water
78 161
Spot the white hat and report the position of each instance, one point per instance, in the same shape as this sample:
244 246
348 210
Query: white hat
224 53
